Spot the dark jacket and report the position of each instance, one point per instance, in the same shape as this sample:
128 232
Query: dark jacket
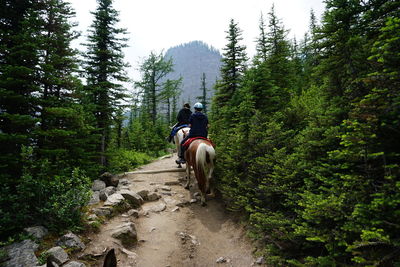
198 122
183 116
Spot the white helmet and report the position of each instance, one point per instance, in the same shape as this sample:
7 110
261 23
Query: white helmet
198 105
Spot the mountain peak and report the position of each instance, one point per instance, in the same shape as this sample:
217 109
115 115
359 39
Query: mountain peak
191 60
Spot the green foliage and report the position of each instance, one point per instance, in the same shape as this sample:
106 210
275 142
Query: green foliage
46 139
123 160
42 197
42 259
309 146
105 74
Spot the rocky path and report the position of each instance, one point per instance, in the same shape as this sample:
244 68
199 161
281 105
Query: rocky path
173 230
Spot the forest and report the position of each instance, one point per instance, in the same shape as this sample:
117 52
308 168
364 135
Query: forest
306 131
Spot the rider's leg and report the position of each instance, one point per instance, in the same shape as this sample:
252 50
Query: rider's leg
182 150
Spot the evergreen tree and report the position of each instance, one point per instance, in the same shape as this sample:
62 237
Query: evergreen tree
62 137
278 61
203 97
317 172
153 69
40 108
18 66
261 42
169 95
105 71
233 66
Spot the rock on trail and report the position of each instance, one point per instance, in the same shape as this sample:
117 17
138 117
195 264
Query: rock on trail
167 228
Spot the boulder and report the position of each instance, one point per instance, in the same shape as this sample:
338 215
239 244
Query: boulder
124 181
171 202
103 211
58 255
114 200
159 207
153 196
50 263
133 198
38 232
21 254
95 198
106 192
110 179
172 183
133 212
260 261
126 233
98 185
74 264
220 260
143 193
166 188
71 240
183 203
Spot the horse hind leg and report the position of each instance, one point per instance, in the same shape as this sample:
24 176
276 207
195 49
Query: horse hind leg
203 199
210 183
187 185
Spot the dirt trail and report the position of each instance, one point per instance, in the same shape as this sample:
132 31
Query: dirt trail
191 235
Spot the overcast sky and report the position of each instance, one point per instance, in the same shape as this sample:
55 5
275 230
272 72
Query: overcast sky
156 25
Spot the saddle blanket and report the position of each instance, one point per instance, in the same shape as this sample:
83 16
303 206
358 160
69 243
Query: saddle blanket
176 129
190 140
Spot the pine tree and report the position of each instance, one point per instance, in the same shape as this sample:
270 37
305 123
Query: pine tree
18 61
153 69
278 55
62 134
169 94
105 71
233 66
39 84
203 97
18 66
261 42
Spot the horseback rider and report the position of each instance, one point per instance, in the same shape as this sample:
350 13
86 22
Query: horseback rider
198 123
182 118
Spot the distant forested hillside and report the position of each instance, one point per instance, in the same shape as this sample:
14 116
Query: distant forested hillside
191 60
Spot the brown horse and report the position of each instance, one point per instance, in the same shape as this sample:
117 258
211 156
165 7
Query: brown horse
200 155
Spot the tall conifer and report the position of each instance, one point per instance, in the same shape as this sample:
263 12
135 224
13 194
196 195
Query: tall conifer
105 70
234 62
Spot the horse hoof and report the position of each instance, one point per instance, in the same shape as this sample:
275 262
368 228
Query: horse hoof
179 166
203 204
186 187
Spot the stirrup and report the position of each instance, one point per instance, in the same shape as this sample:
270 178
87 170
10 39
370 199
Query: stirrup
180 161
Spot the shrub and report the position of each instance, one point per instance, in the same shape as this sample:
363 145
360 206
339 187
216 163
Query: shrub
122 160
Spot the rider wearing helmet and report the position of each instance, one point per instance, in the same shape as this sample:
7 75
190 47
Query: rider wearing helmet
198 123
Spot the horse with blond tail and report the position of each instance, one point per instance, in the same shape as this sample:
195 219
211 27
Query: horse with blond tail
200 155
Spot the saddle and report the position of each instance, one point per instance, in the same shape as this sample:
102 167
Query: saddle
190 140
176 129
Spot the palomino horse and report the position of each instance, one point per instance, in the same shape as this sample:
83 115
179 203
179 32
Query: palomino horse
200 155
182 133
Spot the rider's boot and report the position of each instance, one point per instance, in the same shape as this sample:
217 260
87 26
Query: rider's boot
169 138
181 159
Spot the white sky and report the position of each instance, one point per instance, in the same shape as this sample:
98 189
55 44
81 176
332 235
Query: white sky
156 25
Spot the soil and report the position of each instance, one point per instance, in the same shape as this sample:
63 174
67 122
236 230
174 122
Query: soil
190 235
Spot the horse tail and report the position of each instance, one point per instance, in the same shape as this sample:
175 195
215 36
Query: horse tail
205 155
